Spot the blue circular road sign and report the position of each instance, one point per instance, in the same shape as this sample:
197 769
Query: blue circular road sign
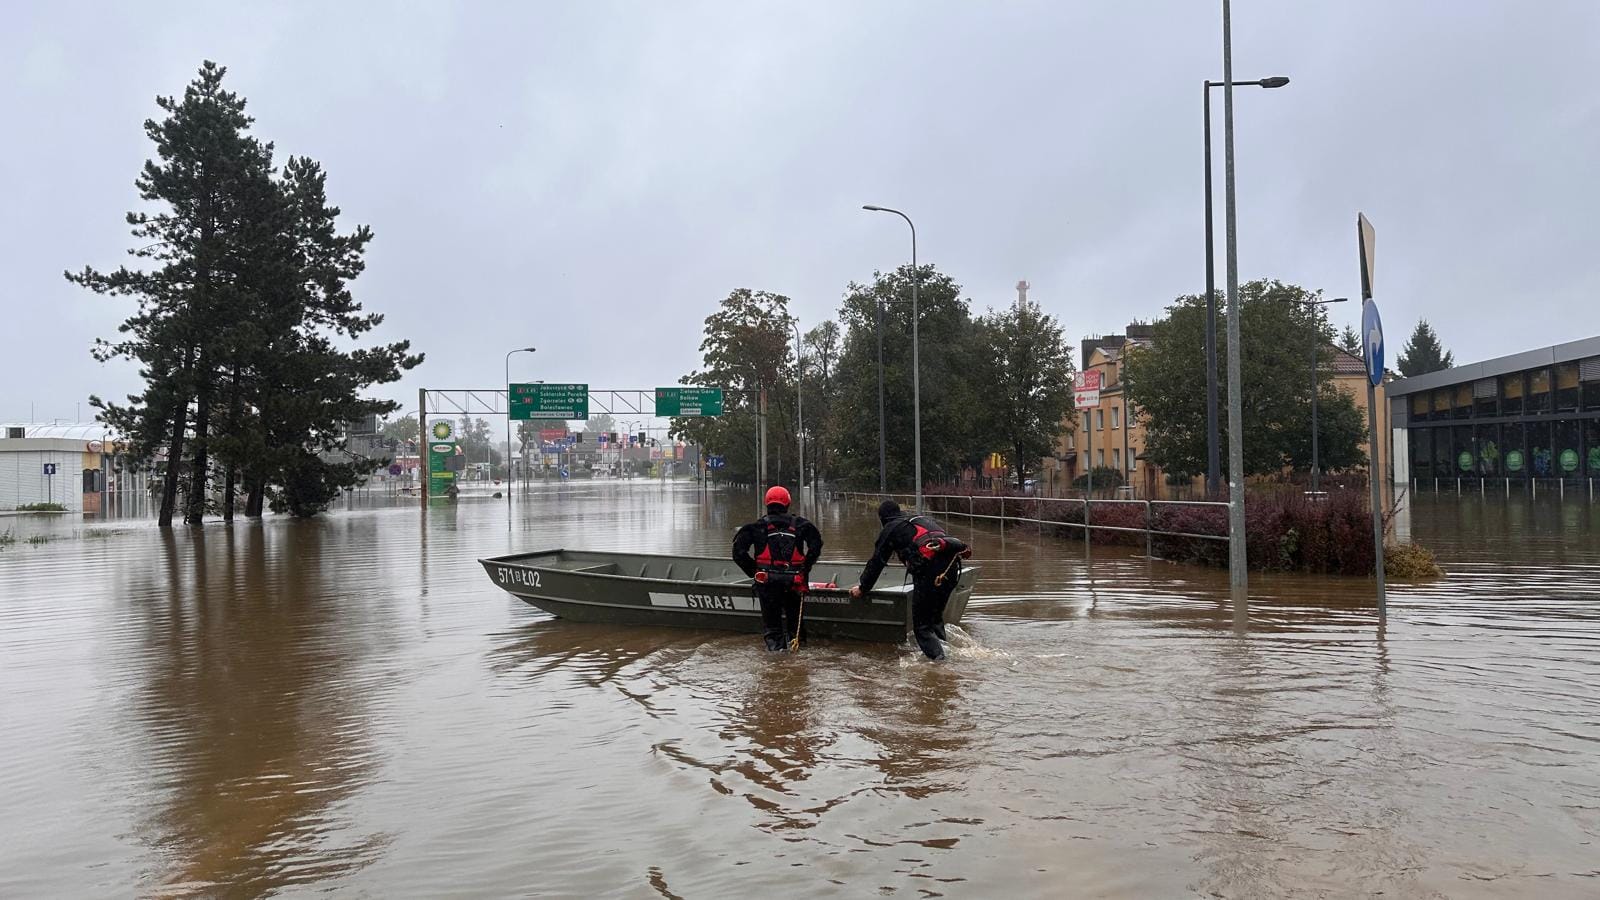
1372 341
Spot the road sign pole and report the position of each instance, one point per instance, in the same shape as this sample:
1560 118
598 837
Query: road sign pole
1372 354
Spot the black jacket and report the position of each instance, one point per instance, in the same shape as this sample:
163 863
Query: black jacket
747 542
896 538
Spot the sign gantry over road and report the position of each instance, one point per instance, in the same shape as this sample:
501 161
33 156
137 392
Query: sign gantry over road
549 401
689 401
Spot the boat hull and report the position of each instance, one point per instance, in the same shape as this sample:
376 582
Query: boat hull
699 592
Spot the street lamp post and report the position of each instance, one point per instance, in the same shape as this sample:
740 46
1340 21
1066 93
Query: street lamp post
508 431
916 367
1316 353
883 454
1213 443
799 403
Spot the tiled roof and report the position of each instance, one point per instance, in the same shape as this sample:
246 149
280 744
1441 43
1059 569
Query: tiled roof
1347 364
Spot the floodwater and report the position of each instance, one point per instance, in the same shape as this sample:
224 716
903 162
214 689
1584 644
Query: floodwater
348 705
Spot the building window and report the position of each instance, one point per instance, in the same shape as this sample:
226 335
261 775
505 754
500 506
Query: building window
1419 407
1421 450
1116 460
1538 391
1514 450
1485 397
1099 420
1589 375
1466 462
1444 463
1567 394
1540 459
1100 457
1489 452
16 434
1133 460
1115 421
1441 403
1463 404
1567 454
1511 391
1592 440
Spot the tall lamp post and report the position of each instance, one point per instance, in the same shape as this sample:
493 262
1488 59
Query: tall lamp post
1316 353
916 367
1213 444
799 403
508 430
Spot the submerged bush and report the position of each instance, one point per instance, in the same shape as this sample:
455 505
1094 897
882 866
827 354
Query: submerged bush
1408 561
41 507
1285 532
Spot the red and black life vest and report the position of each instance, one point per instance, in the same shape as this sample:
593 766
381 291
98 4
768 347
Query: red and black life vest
778 553
931 545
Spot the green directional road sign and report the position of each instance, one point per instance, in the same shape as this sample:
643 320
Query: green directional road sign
689 401
549 401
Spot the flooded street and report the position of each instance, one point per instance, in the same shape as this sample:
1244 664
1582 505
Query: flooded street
349 704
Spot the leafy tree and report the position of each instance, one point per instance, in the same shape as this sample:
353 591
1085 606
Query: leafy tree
1166 381
1029 383
599 424
1350 342
819 370
746 350
403 429
1423 353
953 431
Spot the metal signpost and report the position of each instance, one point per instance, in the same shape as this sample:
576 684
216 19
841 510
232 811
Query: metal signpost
1086 396
688 401
49 483
1372 354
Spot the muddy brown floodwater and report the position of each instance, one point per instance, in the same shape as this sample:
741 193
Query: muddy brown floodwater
348 705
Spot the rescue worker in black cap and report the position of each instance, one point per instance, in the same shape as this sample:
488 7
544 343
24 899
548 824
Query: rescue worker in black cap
778 551
932 557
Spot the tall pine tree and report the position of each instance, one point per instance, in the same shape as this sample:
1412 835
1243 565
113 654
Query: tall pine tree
239 329
1423 353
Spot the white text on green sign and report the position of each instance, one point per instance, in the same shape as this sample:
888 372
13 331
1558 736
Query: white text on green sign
549 401
689 401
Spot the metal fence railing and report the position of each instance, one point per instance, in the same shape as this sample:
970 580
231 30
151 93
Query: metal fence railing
951 505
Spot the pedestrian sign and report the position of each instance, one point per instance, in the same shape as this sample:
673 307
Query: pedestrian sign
548 401
689 401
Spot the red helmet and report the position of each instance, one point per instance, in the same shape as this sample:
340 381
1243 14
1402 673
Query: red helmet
777 494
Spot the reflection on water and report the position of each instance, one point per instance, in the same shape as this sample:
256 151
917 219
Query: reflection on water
349 704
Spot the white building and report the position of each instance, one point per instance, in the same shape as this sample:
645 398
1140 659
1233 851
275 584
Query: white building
75 465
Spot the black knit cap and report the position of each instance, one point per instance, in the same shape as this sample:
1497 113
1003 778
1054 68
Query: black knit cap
887 510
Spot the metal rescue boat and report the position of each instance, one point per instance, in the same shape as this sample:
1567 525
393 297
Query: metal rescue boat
702 592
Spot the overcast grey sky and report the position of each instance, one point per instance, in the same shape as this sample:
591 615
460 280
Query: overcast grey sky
591 178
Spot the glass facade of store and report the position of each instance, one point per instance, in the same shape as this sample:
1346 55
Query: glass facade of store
1537 423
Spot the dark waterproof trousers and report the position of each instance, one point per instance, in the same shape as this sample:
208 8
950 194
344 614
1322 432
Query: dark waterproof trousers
928 601
780 614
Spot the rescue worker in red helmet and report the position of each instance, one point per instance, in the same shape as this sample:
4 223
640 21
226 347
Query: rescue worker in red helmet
932 557
778 551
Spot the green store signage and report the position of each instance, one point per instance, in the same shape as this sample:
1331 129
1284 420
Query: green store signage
1465 460
1569 460
1514 461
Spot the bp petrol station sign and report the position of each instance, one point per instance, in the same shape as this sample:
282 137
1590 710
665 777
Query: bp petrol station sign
689 401
441 450
549 401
